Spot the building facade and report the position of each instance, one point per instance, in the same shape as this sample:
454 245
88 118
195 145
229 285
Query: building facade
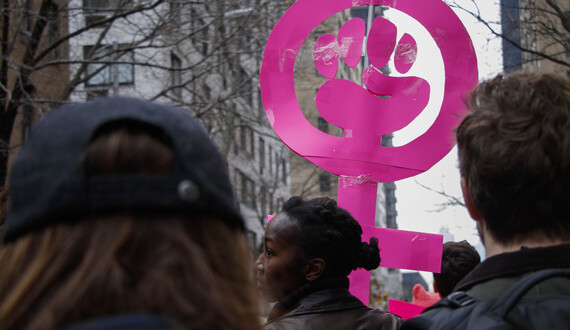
536 35
202 57
34 69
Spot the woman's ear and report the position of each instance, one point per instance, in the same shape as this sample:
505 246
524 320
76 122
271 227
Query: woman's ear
314 269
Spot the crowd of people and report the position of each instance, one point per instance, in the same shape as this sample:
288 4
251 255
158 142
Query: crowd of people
121 215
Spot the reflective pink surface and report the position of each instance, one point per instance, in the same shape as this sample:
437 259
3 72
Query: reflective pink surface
383 105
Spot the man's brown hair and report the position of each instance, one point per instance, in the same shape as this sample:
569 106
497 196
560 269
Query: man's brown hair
514 151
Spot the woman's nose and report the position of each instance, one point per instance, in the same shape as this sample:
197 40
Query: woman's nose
259 263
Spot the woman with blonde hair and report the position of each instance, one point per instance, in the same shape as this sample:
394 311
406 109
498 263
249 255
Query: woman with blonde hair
122 216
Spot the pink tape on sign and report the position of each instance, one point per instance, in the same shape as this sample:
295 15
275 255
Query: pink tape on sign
325 55
406 53
350 37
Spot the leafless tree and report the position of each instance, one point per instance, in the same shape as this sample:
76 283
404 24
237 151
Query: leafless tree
539 29
450 199
213 50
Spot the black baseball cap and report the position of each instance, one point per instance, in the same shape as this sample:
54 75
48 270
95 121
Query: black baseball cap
48 184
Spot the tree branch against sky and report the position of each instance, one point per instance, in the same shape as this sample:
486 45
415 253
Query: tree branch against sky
544 27
210 44
451 200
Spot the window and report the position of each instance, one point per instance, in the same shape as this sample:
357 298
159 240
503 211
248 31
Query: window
176 75
245 189
245 87
284 170
271 204
270 153
276 158
325 182
246 138
260 109
175 9
26 22
52 24
27 117
199 33
263 202
97 10
249 144
251 240
261 155
109 65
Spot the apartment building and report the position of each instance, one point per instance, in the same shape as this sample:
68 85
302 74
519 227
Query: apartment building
202 57
536 35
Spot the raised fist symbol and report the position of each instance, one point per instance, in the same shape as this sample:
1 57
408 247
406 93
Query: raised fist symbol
389 103
383 104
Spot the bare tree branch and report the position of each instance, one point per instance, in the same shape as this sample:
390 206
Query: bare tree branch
451 200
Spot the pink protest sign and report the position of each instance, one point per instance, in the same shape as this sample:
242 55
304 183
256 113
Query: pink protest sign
383 105
404 309
407 249
359 151
350 37
326 55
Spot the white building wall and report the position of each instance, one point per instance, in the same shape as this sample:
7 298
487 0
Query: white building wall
151 76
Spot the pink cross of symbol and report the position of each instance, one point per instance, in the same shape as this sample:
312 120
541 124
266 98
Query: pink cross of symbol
384 105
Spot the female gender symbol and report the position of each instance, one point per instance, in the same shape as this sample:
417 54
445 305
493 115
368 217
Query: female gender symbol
358 157
339 155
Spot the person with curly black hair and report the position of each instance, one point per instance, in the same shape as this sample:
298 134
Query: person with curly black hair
310 248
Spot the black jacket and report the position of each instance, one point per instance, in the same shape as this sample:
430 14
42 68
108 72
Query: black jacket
494 276
546 306
327 305
122 322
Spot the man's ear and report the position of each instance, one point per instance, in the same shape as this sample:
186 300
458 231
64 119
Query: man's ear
314 269
473 211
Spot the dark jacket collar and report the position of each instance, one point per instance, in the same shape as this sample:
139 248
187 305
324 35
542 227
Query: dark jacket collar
122 322
326 294
519 262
